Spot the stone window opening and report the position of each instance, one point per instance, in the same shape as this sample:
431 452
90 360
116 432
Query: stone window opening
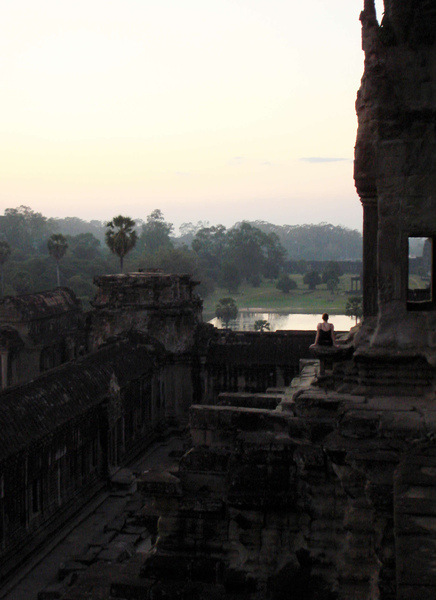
421 280
36 496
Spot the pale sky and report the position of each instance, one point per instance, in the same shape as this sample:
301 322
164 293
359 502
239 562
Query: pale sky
212 110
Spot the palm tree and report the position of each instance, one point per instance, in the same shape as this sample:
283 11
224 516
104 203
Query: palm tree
57 246
5 251
121 236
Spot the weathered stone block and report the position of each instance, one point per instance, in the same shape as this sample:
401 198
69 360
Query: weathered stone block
205 460
172 567
116 552
70 566
409 524
402 424
359 424
319 405
416 500
309 456
157 483
416 560
52 592
416 592
260 400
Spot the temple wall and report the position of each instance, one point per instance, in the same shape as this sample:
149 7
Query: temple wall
163 305
252 361
328 495
65 433
39 332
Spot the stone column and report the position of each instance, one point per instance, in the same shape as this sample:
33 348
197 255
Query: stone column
370 232
4 368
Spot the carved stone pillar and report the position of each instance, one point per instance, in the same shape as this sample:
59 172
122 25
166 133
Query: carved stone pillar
370 231
4 368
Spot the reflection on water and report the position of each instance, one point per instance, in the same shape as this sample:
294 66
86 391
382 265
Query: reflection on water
306 322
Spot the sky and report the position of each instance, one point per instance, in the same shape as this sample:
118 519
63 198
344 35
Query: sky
209 110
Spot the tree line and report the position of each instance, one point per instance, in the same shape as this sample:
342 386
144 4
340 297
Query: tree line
214 255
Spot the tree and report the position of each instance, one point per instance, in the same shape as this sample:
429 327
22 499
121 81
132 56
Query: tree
312 279
297 266
354 308
156 233
187 232
274 256
255 279
182 260
230 277
245 248
84 246
5 252
22 282
210 243
226 310
332 270
81 287
332 285
261 325
285 284
121 237
57 246
26 230
426 257
255 252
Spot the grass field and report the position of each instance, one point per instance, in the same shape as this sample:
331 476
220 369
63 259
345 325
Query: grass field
267 298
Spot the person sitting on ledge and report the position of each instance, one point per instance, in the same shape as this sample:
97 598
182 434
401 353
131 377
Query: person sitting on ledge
325 333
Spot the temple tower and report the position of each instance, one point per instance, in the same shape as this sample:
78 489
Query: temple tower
395 176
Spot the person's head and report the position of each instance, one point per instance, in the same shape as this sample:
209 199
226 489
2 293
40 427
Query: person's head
325 317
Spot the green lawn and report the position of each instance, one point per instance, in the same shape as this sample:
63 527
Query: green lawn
267 298
416 282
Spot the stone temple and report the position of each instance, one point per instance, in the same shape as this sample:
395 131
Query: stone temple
290 486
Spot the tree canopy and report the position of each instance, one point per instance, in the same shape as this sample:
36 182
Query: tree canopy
250 251
210 244
262 325
155 233
312 241
230 277
285 284
226 310
5 252
332 270
312 279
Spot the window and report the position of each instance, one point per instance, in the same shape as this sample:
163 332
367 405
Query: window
36 496
421 290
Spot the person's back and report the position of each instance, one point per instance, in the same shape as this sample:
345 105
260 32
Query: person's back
325 335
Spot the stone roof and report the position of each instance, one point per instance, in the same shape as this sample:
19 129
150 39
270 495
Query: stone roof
34 410
30 307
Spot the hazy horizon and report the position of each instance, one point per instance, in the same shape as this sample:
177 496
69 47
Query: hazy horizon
214 111
228 223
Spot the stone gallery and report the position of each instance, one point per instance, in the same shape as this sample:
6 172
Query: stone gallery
291 485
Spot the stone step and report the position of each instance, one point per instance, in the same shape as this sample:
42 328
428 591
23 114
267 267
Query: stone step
268 401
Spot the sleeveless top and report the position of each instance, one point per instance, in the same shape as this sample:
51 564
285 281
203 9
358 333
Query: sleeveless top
325 337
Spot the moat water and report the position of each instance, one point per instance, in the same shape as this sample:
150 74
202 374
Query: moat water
306 322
